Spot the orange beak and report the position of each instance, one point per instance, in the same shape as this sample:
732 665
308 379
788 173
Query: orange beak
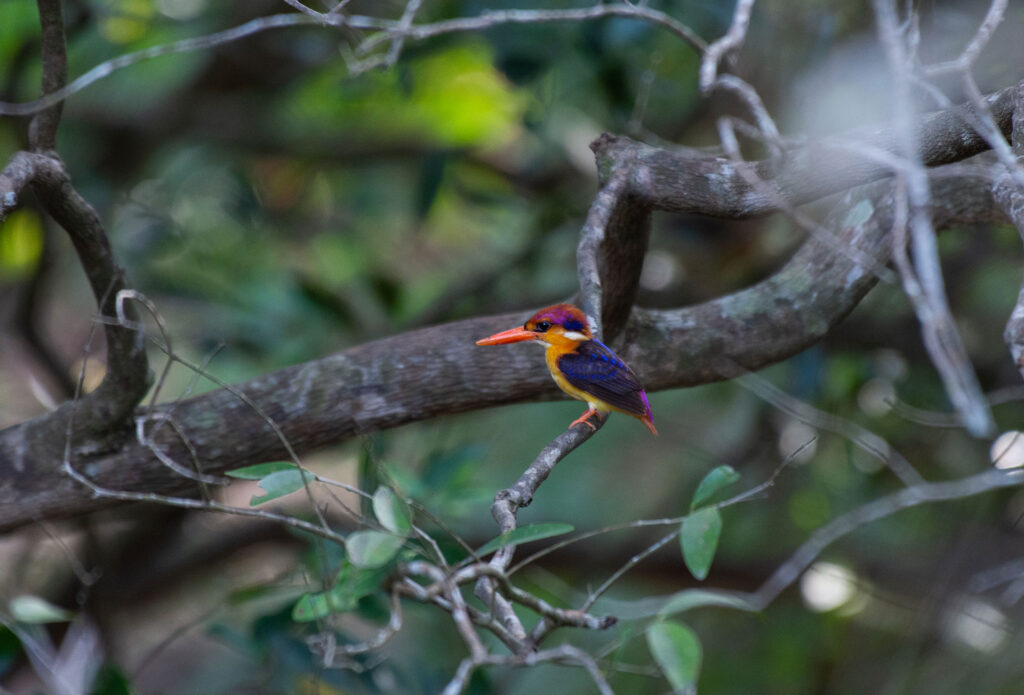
512 335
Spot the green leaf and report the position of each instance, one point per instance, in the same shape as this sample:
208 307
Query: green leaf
677 650
280 483
699 538
715 480
353 583
32 609
10 649
391 511
317 605
688 599
373 548
666 605
260 470
110 680
534 532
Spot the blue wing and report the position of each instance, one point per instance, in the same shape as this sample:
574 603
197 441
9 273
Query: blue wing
596 370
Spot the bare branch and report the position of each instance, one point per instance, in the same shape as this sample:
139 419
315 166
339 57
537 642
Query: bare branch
589 253
487 20
325 644
941 338
111 66
691 182
389 31
507 504
967 57
358 391
862 438
615 239
1009 194
202 505
750 97
731 41
43 128
127 376
916 495
14 178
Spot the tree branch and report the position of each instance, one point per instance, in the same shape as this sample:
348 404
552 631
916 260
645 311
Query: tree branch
127 377
1010 197
42 131
436 371
686 181
916 495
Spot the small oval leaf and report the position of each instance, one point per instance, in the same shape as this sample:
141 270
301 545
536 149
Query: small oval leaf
716 479
311 607
373 548
279 484
677 650
688 599
699 538
391 511
524 534
260 470
32 609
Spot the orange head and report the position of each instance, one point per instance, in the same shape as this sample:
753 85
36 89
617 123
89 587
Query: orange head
561 324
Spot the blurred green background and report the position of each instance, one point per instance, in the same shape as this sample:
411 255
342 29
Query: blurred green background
278 208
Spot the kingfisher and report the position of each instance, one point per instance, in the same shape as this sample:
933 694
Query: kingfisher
583 367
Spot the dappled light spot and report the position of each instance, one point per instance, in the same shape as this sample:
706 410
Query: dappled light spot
826 586
976 624
876 397
798 437
1008 450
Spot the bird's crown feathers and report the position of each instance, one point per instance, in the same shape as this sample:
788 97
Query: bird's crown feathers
567 316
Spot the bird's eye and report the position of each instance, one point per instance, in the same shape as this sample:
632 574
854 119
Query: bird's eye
542 326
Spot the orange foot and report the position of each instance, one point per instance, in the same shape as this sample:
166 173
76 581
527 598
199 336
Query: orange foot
585 419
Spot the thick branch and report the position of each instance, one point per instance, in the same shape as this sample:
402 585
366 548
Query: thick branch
436 371
707 184
698 183
1010 196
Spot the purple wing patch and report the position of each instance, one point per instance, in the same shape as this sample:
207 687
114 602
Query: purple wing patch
596 370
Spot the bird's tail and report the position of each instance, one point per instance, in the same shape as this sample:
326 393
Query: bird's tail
646 419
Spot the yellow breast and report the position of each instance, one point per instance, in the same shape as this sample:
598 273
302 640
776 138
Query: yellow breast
551 357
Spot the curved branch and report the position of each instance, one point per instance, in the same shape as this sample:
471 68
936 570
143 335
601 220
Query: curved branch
127 378
705 184
437 371
14 178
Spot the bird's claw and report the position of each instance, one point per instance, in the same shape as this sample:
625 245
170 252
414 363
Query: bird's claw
585 419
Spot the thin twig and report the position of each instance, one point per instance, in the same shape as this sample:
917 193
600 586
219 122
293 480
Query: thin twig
731 41
916 495
857 435
490 19
941 338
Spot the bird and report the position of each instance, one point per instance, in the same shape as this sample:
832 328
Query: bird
583 367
